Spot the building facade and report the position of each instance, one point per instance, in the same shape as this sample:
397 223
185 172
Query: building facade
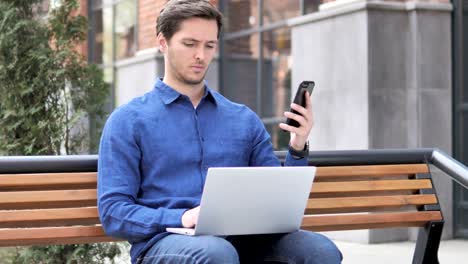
389 74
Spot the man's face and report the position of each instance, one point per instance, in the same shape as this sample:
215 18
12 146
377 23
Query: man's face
191 49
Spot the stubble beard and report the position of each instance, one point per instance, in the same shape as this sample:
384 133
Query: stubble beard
185 79
191 81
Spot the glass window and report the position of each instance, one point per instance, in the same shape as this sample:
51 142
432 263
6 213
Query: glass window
108 76
100 3
462 222
98 34
276 92
274 10
240 15
102 26
463 141
113 30
465 194
311 6
96 4
240 70
277 53
125 26
465 56
241 56
114 27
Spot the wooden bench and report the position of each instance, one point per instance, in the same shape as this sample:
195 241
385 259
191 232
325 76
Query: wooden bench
42 208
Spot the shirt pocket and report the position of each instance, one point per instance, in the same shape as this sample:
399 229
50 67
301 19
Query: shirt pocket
233 151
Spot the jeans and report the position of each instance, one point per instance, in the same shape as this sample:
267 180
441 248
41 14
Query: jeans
297 247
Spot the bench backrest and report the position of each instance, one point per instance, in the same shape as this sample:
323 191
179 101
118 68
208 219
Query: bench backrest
365 197
49 208
60 208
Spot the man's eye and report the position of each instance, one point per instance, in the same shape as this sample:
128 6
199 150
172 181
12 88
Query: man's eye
210 46
189 44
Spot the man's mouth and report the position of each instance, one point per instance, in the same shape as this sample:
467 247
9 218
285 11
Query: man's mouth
198 68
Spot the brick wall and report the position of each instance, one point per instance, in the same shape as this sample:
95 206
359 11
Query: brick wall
83 10
148 11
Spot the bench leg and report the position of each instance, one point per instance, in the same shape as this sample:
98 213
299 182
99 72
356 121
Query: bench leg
427 245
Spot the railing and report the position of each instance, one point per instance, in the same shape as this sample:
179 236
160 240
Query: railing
453 168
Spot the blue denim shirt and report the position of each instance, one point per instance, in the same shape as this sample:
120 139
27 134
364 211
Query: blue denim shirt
155 152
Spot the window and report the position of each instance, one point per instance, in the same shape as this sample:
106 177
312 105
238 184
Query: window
311 5
113 35
277 85
124 30
240 14
274 10
103 37
254 47
240 70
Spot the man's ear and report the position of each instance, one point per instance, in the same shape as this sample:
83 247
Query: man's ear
162 43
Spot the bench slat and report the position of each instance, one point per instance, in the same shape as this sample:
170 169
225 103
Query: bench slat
371 170
45 181
49 217
377 188
366 221
368 186
47 199
354 204
53 236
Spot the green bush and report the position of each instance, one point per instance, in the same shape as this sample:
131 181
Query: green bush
48 95
68 254
48 91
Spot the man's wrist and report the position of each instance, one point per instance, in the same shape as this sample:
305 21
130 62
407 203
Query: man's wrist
186 219
299 154
297 147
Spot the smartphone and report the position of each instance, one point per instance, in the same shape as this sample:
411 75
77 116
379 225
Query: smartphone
300 99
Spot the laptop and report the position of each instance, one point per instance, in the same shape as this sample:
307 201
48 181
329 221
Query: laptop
252 200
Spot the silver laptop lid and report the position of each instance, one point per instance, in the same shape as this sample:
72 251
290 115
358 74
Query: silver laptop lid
254 200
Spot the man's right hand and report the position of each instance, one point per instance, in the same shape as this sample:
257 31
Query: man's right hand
190 217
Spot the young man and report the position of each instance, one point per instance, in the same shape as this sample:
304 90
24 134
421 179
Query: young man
155 152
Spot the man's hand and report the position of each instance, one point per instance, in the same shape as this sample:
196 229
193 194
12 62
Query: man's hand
190 217
300 134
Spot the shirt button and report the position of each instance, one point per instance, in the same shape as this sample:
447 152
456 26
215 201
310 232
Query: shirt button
202 139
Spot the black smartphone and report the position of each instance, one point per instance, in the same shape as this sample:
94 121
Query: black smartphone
305 86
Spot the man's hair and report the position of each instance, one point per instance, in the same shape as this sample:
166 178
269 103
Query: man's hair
176 11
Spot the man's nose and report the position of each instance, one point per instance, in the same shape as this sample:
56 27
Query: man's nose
200 54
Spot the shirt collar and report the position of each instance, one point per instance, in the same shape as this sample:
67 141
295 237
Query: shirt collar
169 94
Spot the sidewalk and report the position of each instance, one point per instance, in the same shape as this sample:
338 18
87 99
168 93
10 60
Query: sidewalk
450 251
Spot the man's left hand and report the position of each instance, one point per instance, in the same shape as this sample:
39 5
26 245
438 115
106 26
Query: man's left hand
299 135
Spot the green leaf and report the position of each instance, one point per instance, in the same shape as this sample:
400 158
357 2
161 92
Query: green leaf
39 83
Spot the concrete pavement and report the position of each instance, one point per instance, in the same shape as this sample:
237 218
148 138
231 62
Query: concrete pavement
450 251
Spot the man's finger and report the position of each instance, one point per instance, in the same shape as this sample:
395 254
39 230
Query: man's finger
289 128
301 110
299 118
